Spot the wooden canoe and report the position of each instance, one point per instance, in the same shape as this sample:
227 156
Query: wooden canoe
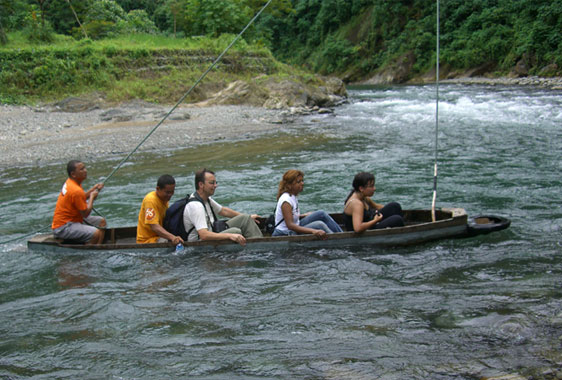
419 228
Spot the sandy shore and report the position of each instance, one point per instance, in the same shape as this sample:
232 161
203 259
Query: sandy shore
43 135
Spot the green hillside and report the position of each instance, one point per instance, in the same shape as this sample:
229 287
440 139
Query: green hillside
153 68
151 47
355 39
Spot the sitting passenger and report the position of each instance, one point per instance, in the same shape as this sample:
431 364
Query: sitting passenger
72 219
152 212
199 216
287 213
361 213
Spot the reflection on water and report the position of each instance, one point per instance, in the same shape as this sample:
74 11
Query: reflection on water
484 307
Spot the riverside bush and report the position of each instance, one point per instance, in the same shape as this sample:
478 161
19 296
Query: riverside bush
140 66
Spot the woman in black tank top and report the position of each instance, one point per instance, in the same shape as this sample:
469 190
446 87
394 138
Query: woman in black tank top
361 213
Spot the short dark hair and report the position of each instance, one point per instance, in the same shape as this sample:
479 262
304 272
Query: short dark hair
362 179
71 166
165 180
200 176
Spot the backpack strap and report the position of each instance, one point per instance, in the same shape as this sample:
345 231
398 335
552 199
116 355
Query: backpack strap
282 219
197 197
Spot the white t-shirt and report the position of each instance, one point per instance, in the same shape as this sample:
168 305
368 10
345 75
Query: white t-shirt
194 215
293 201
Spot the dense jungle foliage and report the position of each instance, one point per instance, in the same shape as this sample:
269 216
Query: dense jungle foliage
349 38
360 36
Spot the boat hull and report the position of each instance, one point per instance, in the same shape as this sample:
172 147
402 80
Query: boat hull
419 229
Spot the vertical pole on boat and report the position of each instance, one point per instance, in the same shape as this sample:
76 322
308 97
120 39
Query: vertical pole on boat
436 119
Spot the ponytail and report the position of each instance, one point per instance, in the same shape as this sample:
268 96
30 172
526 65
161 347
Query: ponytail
360 180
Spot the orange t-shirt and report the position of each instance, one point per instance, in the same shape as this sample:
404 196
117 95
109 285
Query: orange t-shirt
152 211
71 200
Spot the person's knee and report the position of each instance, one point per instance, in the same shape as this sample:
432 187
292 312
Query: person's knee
97 237
395 206
239 220
325 228
103 223
319 225
321 214
232 230
396 221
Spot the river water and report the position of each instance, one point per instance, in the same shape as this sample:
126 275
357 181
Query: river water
483 307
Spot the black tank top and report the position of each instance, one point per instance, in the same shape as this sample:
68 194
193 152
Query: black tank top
367 215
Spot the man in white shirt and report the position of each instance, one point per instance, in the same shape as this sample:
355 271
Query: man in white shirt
200 214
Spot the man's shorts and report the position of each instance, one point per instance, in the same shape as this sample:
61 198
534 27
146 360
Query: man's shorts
79 232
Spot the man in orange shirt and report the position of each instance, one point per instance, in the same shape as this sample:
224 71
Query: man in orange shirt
72 219
153 210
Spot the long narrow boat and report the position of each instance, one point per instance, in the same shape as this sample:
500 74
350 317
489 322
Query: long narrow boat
419 228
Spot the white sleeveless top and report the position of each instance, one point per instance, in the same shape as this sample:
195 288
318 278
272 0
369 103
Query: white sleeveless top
293 201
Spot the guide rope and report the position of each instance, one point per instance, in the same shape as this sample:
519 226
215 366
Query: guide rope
436 120
23 236
217 60
187 93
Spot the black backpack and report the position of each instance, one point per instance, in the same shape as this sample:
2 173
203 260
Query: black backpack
173 221
270 225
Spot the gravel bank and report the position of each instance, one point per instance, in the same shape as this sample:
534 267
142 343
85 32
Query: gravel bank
43 135
90 130
534 81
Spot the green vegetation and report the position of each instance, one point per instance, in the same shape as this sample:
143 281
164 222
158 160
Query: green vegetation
154 68
357 37
52 47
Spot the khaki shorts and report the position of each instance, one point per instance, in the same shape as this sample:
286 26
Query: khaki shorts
79 232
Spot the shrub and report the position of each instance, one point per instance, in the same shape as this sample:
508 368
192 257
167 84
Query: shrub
336 54
38 30
138 22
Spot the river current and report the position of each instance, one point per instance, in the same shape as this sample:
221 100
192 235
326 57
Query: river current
483 307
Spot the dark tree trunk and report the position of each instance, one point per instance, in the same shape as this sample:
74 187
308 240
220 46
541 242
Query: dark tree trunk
3 37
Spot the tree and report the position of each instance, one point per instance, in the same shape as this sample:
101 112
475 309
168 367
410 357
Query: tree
38 29
77 19
3 37
215 17
175 8
104 18
138 22
42 4
4 9
105 10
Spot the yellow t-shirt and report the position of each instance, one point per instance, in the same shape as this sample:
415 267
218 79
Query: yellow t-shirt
152 211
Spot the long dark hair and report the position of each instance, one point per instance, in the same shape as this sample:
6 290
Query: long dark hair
360 179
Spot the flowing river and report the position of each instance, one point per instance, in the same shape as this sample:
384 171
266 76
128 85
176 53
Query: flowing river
485 307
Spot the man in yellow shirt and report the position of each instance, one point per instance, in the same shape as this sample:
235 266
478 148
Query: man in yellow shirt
153 210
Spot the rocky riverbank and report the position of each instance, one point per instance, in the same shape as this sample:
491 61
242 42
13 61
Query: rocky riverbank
554 83
90 130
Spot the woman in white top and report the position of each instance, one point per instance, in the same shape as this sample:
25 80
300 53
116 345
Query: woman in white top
287 214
